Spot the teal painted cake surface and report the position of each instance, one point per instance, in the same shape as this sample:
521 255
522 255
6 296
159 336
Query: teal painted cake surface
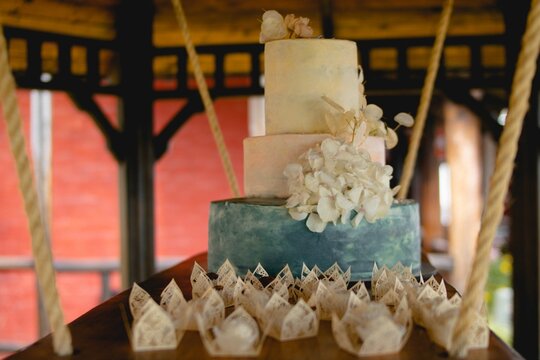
251 231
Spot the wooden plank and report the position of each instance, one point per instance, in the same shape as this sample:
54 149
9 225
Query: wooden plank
217 22
85 19
228 26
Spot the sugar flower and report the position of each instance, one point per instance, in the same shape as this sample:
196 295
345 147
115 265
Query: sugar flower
275 27
338 182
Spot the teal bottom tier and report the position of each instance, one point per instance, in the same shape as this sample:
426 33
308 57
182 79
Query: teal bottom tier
250 231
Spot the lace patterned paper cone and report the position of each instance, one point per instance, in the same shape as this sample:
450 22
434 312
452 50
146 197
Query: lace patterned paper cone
138 297
174 303
277 287
250 298
252 279
209 308
223 282
200 282
438 314
328 301
335 273
285 276
371 330
287 322
361 291
236 335
154 329
309 282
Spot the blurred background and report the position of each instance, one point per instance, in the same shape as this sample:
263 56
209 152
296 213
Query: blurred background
126 165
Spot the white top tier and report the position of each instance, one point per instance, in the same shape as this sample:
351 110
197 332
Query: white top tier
297 73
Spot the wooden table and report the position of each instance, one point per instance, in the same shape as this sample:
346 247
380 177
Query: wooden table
100 334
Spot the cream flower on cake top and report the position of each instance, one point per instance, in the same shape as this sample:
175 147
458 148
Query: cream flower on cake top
298 26
275 27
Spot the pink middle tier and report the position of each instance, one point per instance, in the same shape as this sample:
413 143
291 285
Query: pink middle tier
265 158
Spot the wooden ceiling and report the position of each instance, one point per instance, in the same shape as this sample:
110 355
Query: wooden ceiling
237 21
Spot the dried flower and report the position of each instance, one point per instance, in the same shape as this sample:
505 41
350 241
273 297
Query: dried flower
272 27
275 27
337 181
404 119
298 26
357 125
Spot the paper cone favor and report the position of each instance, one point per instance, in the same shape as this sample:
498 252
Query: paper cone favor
237 335
286 322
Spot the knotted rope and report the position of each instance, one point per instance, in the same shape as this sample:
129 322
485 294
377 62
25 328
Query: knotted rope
500 180
40 247
207 100
425 100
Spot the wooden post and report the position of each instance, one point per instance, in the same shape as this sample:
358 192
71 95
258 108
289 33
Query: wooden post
524 206
463 149
134 35
41 147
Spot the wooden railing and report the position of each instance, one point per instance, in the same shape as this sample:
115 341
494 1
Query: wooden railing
389 64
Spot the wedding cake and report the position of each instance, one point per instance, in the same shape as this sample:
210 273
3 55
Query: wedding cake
316 185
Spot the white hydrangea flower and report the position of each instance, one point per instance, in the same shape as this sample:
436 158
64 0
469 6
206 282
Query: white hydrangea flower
356 125
273 27
335 182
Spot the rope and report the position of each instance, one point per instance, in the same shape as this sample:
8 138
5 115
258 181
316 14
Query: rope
500 180
40 247
425 100
207 100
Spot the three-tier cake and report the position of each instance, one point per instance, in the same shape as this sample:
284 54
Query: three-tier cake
259 228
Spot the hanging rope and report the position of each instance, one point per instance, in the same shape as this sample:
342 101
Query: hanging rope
425 100
207 100
500 180
40 247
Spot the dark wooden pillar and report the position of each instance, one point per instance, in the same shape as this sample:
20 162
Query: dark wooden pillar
524 234
136 173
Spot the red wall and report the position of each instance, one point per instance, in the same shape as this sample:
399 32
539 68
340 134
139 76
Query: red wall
85 209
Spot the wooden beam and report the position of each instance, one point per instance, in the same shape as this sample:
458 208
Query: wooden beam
327 20
94 19
83 99
229 27
135 118
524 201
161 141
